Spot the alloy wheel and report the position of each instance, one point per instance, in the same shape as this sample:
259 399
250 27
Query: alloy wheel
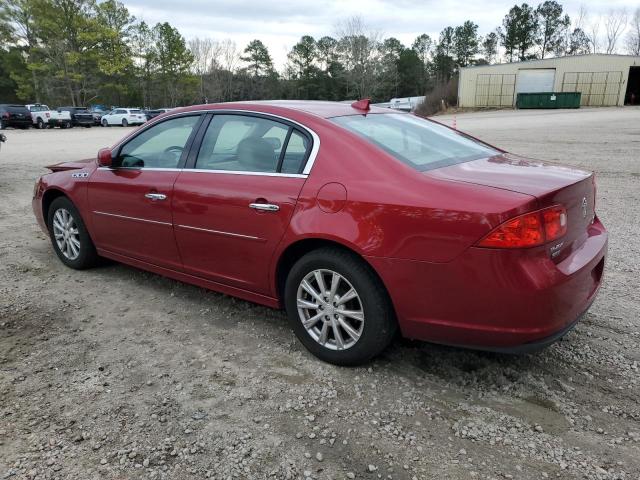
330 309
65 232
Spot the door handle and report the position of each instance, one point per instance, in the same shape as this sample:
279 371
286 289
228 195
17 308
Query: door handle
155 196
266 207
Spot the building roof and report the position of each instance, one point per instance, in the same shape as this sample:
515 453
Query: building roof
555 59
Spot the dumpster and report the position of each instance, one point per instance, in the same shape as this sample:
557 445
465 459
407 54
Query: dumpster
548 100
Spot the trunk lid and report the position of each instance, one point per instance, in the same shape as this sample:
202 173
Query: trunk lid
551 184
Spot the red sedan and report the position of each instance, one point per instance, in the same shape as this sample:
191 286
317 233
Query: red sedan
359 221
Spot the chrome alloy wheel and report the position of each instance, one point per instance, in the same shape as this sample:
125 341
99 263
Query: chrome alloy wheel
66 234
330 309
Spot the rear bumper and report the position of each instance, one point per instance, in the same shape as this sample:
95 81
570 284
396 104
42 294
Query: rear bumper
17 122
501 300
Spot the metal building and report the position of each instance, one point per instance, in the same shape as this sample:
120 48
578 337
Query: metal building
603 80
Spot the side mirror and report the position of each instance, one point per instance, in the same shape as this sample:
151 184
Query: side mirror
104 158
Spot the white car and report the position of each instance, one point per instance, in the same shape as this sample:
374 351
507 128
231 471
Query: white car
43 117
124 117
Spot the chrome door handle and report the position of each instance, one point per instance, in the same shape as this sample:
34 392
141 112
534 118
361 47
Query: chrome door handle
155 196
267 207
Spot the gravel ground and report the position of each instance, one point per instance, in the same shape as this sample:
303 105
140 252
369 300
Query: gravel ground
116 373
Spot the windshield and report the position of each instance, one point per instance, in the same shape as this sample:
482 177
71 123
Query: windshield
39 108
419 143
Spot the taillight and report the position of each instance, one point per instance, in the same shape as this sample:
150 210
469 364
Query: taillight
528 230
6 115
48 115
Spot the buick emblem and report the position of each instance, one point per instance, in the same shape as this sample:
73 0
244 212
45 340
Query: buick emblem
584 207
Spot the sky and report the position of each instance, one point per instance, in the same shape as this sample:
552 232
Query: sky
281 23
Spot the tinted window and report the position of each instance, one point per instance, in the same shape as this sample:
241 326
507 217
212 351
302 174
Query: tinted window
419 143
39 108
160 146
17 109
296 153
134 111
242 143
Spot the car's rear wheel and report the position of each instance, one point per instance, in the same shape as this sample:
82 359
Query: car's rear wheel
338 307
125 123
41 124
69 236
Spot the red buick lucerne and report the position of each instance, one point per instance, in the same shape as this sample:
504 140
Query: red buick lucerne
359 221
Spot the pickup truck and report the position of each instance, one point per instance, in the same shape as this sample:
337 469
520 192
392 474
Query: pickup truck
43 117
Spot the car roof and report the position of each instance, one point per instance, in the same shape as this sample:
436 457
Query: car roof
320 108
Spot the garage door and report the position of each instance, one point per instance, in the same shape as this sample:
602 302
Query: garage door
536 80
598 89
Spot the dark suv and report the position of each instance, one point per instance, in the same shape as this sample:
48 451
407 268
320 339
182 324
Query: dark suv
80 116
14 116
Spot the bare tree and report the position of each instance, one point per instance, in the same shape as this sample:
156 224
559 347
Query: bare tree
229 58
592 29
633 37
614 23
202 50
358 46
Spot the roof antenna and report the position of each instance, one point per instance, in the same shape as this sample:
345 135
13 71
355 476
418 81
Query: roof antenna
362 104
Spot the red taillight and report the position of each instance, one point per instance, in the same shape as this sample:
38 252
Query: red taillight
528 230
48 115
6 115
555 222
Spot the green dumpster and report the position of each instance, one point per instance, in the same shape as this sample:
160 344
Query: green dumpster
548 100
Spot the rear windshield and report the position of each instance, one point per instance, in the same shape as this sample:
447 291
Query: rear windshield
135 111
419 143
39 108
16 108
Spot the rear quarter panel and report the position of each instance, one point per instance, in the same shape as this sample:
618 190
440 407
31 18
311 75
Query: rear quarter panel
392 210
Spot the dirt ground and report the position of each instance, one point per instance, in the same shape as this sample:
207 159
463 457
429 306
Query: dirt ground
114 373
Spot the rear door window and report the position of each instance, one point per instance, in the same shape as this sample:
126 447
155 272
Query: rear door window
244 143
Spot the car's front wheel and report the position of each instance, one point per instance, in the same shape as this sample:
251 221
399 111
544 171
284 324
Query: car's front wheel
338 307
105 123
69 236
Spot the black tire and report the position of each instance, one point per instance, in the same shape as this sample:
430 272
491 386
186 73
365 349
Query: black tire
87 256
379 326
125 123
40 124
105 123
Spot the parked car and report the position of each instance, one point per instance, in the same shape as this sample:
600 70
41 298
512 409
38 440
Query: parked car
43 117
14 116
98 111
358 220
80 116
149 114
124 117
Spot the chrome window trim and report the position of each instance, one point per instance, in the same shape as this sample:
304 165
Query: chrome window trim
132 218
307 168
149 169
204 170
242 172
